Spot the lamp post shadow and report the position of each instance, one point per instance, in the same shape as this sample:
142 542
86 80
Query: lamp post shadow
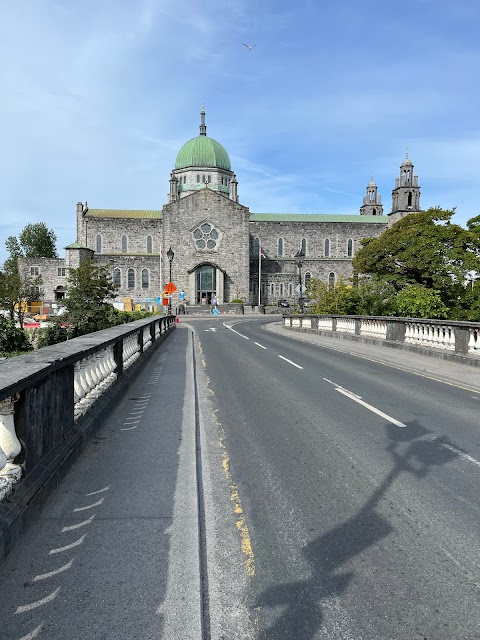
301 601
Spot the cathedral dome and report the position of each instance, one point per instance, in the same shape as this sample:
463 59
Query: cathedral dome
203 152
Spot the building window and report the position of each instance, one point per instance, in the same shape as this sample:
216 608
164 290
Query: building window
209 179
331 280
326 250
124 244
303 247
34 271
272 289
184 179
281 289
256 247
280 247
206 236
145 279
62 272
149 244
37 291
350 248
98 244
308 277
117 277
131 279
290 289
198 178
203 179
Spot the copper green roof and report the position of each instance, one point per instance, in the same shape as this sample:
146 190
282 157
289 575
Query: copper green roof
316 217
124 213
203 152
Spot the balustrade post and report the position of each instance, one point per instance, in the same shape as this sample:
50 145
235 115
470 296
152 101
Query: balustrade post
462 336
334 324
118 357
396 331
10 446
358 326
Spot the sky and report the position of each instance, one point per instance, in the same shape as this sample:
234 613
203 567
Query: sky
98 96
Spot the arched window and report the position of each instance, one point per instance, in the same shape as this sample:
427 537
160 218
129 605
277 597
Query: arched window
256 247
409 203
209 179
149 244
290 289
280 247
131 279
272 289
331 280
281 288
303 247
98 244
117 277
308 276
124 244
374 212
326 249
350 248
145 278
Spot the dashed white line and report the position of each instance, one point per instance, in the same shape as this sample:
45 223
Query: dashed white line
260 345
44 576
238 334
68 546
90 506
290 362
93 493
38 603
79 525
355 398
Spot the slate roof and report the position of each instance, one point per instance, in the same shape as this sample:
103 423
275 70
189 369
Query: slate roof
317 217
150 214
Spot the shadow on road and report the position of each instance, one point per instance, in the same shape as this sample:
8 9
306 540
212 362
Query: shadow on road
414 450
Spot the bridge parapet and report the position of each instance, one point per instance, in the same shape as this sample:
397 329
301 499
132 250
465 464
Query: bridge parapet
54 399
443 337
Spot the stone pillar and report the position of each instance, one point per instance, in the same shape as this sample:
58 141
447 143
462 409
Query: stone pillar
220 286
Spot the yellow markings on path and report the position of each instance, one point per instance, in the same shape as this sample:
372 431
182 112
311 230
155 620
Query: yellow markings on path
245 542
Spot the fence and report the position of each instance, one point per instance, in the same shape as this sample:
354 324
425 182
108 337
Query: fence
52 401
442 337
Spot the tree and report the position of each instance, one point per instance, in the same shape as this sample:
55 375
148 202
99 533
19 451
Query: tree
416 301
422 248
17 289
35 241
88 290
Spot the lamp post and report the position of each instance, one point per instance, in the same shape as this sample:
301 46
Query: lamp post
170 256
299 260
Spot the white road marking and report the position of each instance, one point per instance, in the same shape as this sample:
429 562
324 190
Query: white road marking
211 329
33 634
80 524
128 428
68 546
369 406
290 362
93 493
238 334
38 603
90 506
460 454
43 576
260 345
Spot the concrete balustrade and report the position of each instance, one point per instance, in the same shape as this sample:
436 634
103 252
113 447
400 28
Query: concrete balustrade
443 337
52 401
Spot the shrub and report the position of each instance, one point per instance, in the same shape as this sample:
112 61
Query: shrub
237 301
53 335
12 338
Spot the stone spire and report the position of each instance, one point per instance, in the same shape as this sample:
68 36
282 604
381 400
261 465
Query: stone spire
406 194
372 202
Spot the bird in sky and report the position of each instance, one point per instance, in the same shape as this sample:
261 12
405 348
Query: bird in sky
249 46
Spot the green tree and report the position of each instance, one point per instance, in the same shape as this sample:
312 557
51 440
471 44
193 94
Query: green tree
17 289
422 248
12 338
35 241
89 288
417 301
342 298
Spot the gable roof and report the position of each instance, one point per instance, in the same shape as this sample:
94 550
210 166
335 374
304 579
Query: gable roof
151 214
316 217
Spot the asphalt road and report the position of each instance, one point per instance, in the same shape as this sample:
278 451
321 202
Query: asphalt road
341 495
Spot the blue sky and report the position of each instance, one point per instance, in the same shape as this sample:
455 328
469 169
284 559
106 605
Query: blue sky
99 96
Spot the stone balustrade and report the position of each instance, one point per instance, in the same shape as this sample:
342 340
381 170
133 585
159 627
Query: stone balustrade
52 400
443 337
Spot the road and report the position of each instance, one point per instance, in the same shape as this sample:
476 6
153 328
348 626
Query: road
341 495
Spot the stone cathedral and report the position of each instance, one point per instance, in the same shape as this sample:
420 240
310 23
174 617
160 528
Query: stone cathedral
216 240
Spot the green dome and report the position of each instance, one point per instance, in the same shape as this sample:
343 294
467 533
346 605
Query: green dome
203 152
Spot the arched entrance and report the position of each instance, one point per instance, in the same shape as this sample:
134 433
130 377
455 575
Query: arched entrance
205 284
59 293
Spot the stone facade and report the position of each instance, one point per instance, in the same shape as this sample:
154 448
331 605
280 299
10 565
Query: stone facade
216 240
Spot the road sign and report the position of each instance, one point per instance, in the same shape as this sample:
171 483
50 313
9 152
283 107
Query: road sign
170 287
297 289
182 295
165 302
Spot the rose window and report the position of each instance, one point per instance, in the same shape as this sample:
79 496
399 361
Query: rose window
206 236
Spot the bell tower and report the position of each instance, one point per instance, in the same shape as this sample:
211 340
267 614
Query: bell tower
372 202
406 195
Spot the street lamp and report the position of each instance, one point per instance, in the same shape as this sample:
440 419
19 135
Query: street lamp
170 256
299 260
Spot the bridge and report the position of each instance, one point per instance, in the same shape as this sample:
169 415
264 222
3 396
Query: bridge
243 477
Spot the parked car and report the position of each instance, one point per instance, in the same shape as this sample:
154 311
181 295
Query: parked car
283 303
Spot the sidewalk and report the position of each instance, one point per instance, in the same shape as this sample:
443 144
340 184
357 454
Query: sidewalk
115 554
462 375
